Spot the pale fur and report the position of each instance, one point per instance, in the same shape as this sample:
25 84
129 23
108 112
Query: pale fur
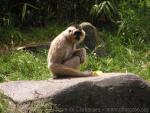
63 57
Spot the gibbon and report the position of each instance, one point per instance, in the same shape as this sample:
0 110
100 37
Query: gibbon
64 58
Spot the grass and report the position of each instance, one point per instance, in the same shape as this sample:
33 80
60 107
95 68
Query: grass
12 37
22 65
121 58
3 104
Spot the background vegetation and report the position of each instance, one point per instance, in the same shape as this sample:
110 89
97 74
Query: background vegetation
125 25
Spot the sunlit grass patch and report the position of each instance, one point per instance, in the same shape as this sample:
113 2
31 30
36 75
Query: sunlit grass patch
23 65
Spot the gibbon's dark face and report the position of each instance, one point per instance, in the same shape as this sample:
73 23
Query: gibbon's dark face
76 33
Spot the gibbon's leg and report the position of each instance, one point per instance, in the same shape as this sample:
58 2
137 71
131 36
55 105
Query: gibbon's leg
74 62
70 68
62 71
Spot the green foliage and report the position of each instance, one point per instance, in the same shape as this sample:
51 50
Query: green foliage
121 58
23 65
39 13
12 36
135 23
105 11
25 10
3 104
9 35
128 49
133 32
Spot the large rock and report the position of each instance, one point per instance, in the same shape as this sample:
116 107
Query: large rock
93 40
107 93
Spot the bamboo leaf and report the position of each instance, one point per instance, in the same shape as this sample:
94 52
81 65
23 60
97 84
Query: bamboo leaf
109 13
121 27
24 9
113 8
32 6
101 8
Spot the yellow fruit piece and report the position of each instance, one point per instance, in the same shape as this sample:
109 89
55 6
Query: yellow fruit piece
96 73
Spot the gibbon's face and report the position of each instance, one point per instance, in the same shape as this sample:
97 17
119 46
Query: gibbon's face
76 34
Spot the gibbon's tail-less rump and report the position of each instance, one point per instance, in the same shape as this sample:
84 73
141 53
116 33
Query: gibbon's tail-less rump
63 57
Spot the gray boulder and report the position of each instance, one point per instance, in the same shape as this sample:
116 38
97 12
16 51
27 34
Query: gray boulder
107 93
93 40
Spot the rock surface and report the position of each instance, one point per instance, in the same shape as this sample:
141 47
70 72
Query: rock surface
93 40
107 93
